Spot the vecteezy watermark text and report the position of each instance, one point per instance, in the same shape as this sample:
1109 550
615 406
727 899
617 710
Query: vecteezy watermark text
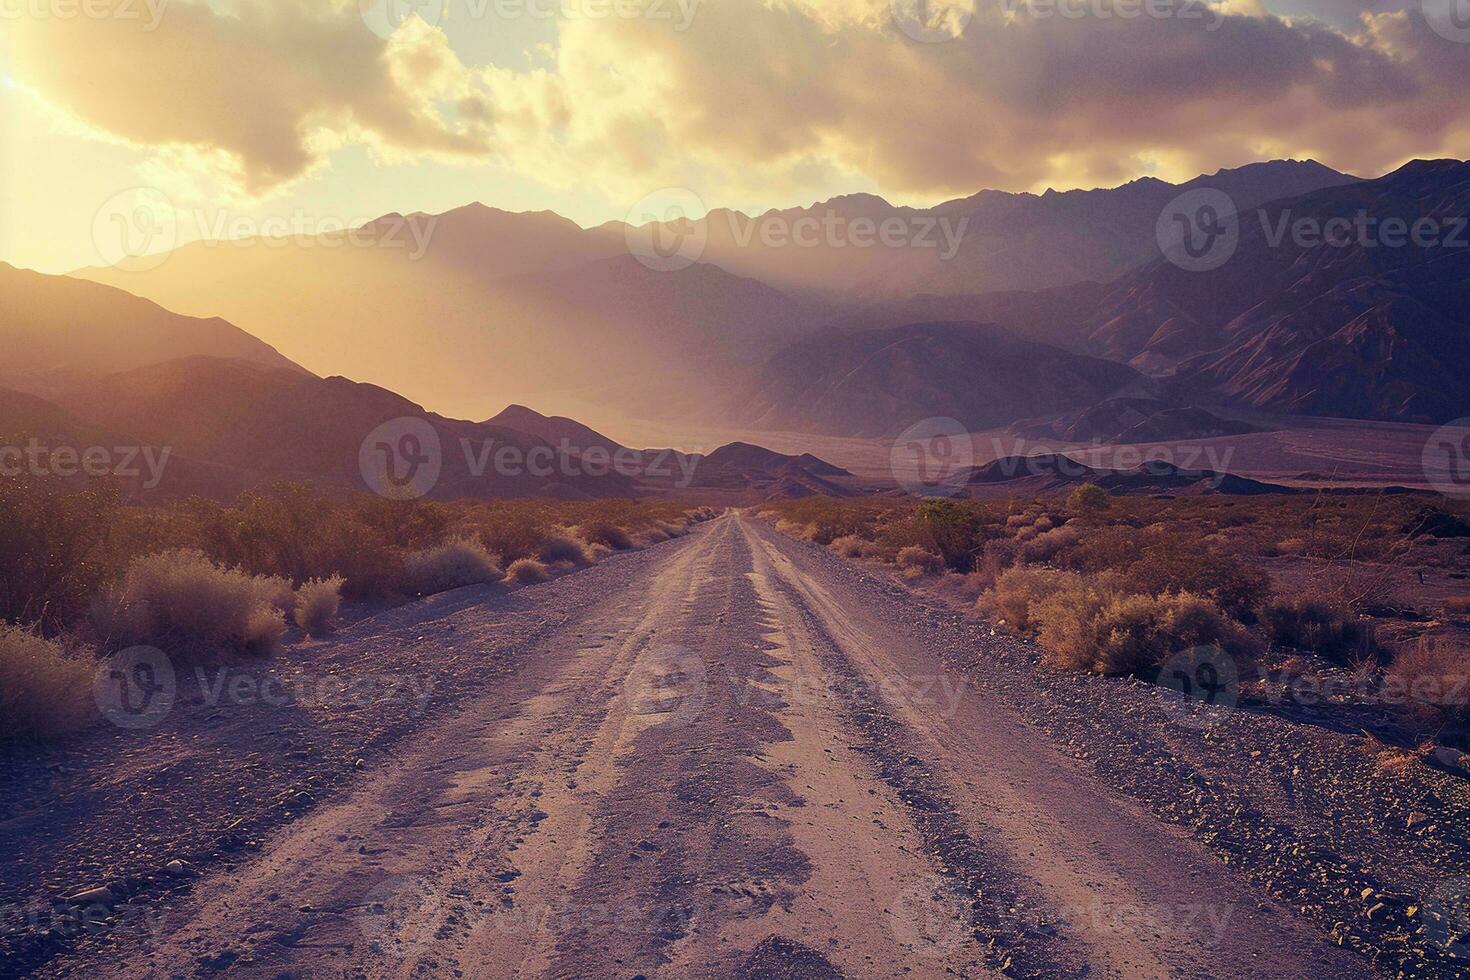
1118 10
131 462
138 687
138 228
404 459
385 17
669 230
148 12
1201 230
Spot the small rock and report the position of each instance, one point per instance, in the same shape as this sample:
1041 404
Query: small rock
176 868
96 895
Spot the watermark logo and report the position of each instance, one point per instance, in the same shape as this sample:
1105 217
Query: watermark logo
930 917
931 21
401 459
1199 679
1450 19
136 687
1117 10
1199 230
829 229
665 232
136 229
932 458
1446 459
149 12
145 463
385 17
667 681
1448 920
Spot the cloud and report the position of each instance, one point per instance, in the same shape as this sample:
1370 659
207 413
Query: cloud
260 93
767 100
757 97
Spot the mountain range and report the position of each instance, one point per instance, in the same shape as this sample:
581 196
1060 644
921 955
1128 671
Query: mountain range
1054 312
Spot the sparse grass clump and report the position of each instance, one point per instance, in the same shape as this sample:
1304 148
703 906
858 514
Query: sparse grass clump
917 562
1432 680
527 571
45 690
451 565
181 600
606 534
559 547
317 603
1321 625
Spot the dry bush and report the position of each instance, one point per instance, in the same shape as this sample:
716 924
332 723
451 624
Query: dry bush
793 529
1089 498
1236 587
558 547
54 550
1045 546
181 600
850 546
650 536
1432 680
1321 625
1290 547
451 565
1019 590
317 603
527 571
45 690
1132 634
997 556
1457 605
608 535
915 561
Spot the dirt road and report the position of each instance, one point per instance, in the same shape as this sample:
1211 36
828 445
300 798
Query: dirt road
727 762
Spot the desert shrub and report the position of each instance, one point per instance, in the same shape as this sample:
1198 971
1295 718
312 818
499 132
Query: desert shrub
998 555
1132 634
317 603
793 529
850 546
451 565
1018 590
563 547
829 519
917 561
181 600
45 689
1045 546
1236 587
1431 679
53 549
1089 498
1458 605
605 534
527 571
953 530
1066 618
1321 625
1291 547
1436 522
1101 549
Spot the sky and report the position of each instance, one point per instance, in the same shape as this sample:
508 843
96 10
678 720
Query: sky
250 116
